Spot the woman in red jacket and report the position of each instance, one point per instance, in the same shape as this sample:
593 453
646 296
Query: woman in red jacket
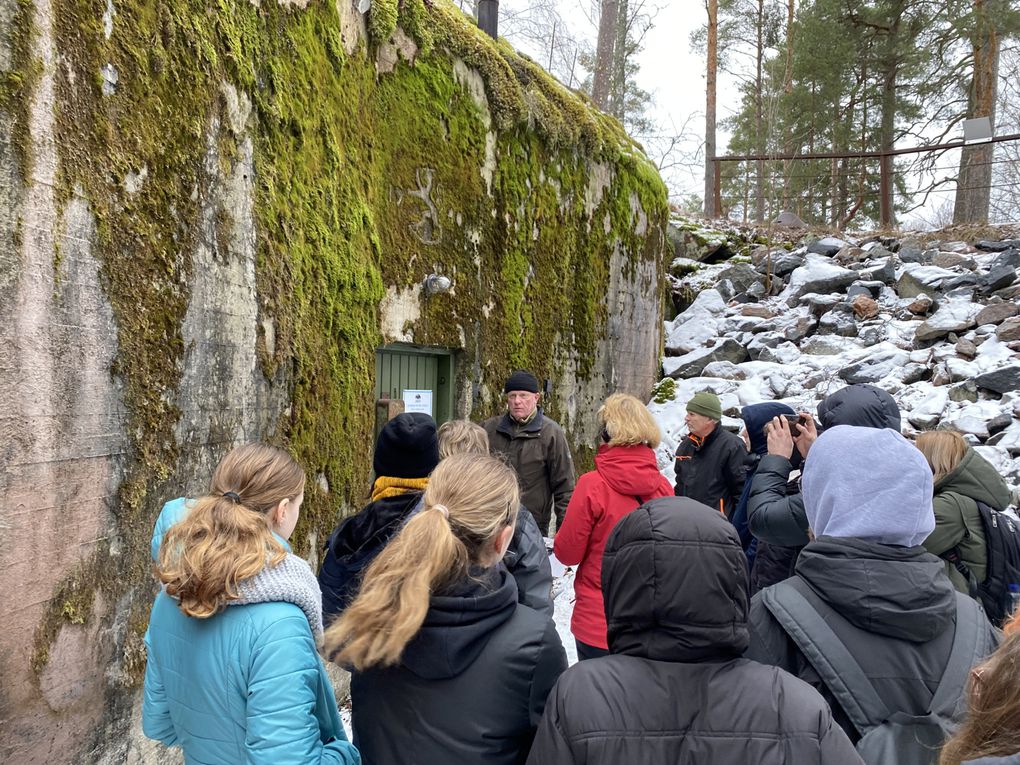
625 476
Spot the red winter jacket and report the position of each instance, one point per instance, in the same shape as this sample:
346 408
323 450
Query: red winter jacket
624 477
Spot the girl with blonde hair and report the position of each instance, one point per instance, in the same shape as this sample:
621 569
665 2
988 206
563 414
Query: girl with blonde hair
626 475
527 558
990 733
962 479
233 674
447 666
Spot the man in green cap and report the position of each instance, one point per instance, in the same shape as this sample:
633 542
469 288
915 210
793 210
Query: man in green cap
710 460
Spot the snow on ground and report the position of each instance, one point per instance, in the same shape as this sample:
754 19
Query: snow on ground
563 603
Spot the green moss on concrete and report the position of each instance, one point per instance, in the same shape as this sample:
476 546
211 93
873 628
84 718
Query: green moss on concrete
361 180
382 20
17 83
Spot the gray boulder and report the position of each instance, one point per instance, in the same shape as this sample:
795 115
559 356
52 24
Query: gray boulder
693 364
964 391
872 333
839 321
780 263
1010 257
998 278
822 345
1009 330
827 246
820 304
873 368
725 370
818 274
801 327
882 271
1001 380
740 275
917 279
997 246
996 313
953 316
953 259
762 343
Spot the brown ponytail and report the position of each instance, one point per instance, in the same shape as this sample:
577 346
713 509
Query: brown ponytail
470 499
226 536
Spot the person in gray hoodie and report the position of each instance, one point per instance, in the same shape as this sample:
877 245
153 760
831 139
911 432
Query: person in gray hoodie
868 498
775 510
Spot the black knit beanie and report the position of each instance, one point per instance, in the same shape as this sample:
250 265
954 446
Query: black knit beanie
521 380
407 447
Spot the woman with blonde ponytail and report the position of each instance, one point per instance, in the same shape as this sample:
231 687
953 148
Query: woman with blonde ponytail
233 674
447 665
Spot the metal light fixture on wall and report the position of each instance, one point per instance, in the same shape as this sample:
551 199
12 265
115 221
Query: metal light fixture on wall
436 284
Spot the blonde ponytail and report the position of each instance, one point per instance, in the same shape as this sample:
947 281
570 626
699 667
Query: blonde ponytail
469 501
226 537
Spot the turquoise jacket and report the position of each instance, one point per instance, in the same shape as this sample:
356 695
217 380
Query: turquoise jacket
172 511
244 686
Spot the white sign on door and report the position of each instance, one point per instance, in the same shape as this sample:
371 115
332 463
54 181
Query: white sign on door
418 401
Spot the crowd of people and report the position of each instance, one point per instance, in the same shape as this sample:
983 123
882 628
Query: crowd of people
820 590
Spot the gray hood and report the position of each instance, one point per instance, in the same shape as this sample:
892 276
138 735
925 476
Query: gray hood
902 592
868 484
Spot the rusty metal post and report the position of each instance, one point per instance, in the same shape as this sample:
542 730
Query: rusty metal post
885 191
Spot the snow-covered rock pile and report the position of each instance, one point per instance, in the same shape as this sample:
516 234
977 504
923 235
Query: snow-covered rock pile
937 324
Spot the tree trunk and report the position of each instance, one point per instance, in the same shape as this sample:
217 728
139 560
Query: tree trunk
603 79
759 112
788 90
887 137
711 68
973 185
618 97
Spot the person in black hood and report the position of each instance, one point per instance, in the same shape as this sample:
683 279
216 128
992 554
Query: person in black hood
675 688
868 498
769 563
447 666
406 451
775 511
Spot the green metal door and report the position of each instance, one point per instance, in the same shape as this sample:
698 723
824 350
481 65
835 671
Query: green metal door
401 368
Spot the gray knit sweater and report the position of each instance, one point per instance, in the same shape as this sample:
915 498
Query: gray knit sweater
290 581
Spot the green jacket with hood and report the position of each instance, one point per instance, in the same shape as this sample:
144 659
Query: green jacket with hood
957 521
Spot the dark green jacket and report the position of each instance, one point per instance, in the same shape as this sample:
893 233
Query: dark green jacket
539 453
957 521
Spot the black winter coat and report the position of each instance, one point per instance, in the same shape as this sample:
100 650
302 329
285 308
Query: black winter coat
539 454
354 544
528 561
712 473
775 515
674 689
471 686
894 609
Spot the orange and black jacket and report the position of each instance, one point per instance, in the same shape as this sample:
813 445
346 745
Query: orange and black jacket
711 471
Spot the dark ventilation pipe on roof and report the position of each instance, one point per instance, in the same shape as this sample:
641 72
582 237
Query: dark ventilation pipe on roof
488 17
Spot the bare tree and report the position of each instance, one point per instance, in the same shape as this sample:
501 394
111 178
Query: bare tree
609 21
973 190
711 71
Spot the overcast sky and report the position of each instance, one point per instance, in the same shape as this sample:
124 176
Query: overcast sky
669 70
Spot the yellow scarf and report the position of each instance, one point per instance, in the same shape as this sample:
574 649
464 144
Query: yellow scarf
386 486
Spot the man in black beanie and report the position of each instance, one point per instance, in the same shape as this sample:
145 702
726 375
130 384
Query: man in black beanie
406 452
536 448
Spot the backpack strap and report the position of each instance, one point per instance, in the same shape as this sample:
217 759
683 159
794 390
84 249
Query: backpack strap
955 558
842 674
835 665
967 648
